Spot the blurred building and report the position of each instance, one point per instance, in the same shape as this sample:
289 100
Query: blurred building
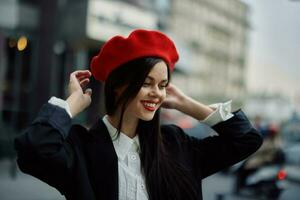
216 34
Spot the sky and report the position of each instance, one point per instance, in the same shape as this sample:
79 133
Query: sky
273 58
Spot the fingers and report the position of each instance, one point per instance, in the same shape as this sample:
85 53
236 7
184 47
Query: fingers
73 81
82 72
87 95
78 80
80 76
88 91
84 82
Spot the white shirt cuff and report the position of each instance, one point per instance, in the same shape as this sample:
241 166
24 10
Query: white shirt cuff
61 103
222 113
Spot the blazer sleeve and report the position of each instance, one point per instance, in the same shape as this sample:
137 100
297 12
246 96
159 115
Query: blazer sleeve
236 140
43 150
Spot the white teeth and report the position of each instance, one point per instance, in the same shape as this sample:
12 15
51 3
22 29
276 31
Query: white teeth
150 104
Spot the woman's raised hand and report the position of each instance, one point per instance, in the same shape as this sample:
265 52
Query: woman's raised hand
174 97
79 97
178 100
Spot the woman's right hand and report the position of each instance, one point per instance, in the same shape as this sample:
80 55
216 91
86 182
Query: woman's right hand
79 98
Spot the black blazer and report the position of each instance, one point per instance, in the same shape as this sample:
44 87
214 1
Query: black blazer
82 164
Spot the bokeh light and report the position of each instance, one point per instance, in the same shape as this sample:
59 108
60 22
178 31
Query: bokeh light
22 43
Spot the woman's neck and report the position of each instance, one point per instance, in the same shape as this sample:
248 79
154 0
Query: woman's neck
128 125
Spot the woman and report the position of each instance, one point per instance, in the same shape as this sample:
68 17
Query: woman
127 154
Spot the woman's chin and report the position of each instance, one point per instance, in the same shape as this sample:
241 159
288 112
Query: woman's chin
147 117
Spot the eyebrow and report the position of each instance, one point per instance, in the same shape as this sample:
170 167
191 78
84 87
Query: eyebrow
153 79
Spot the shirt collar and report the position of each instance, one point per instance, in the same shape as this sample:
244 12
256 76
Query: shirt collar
122 144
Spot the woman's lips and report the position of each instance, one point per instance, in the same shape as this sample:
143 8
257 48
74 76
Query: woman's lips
149 105
149 108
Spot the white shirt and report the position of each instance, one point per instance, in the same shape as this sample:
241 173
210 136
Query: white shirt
131 181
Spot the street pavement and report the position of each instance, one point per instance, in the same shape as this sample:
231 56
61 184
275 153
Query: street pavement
216 187
24 187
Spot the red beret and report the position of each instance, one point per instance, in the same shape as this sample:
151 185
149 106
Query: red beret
140 43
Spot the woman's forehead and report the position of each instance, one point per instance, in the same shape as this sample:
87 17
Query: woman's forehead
159 71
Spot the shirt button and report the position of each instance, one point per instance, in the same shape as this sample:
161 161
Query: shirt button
142 186
133 157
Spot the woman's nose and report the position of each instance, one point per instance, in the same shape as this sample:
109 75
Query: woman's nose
155 91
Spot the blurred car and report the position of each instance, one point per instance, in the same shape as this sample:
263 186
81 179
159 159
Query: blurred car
292 153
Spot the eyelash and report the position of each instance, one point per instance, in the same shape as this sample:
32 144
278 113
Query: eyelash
148 84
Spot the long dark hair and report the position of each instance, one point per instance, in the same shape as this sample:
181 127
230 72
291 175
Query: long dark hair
165 177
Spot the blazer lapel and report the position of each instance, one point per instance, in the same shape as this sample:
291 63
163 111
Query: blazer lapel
103 163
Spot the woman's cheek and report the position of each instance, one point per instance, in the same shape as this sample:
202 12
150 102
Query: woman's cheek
164 95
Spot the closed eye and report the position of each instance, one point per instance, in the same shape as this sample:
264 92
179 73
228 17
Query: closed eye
146 84
150 80
163 86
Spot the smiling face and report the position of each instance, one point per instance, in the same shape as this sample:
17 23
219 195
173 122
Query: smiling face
151 94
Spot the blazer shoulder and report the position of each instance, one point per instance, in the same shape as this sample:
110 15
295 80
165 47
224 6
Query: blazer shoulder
173 132
167 129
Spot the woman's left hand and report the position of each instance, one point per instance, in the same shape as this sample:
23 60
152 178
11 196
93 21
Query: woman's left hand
174 97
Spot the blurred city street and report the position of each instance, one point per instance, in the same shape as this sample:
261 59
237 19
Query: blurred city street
216 187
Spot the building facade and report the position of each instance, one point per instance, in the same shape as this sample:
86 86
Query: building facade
215 32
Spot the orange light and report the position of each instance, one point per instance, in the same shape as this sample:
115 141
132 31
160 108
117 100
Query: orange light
22 43
281 174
